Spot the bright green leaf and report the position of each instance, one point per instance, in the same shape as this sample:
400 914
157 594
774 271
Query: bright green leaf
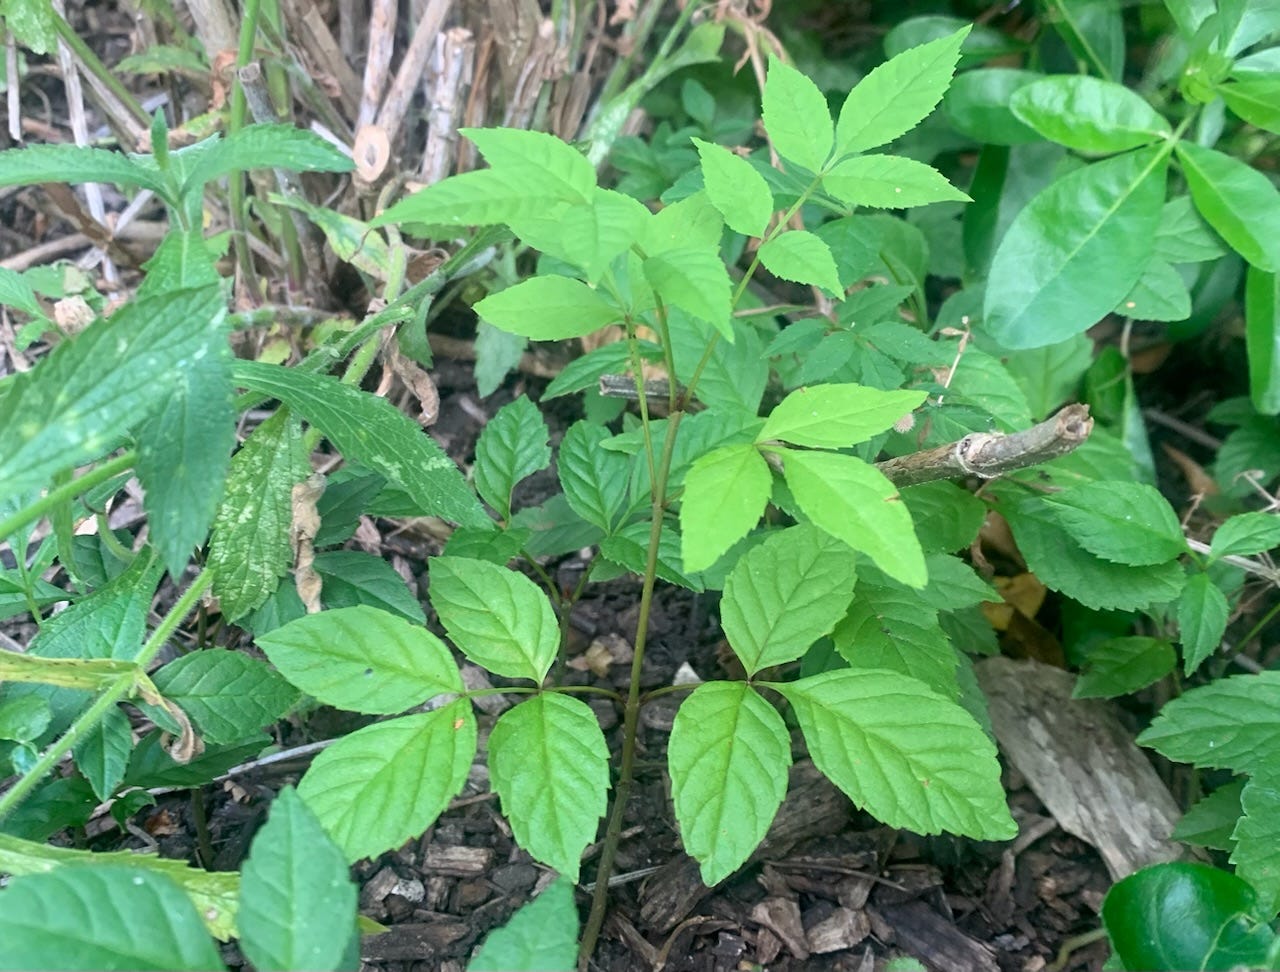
725 493
1245 534
736 189
837 416
852 500
897 95
796 116
801 257
377 787
1088 114
297 900
1159 295
362 659
728 759
482 198
1211 820
1234 723
903 753
1075 250
1126 523
978 105
498 618
897 630
549 763
1256 100
523 151
695 279
74 163
889 182
541 935
549 308
1262 330
785 594
1236 200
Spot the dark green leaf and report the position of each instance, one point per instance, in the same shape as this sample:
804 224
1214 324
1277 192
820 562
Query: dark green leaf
1119 666
1233 724
512 447
229 695
1262 330
1202 620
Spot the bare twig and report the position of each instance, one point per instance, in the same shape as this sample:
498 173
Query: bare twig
396 104
990 454
382 39
451 65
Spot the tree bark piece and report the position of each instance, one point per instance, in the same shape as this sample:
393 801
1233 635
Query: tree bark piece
922 932
1082 764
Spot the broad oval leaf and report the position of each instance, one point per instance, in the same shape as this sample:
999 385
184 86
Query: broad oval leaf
897 95
549 308
1256 100
725 493
728 759
1236 200
1126 523
228 694
381 785
891 629
362 659
785 594
370 430
498 618
1118 666
1088 114
695 279
550 765
902 752
796 116
836 416
802 257
1076 249
594 479
297 900
978 105
889 182
101 917
853 500
736 189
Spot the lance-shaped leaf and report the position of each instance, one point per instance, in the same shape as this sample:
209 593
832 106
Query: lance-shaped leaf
796 116
1236 200
735 188
836 416
802 257
889 182
549 308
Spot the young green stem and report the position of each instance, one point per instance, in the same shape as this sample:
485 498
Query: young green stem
67 492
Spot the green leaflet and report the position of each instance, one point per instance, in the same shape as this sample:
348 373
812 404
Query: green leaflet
550 765
728 759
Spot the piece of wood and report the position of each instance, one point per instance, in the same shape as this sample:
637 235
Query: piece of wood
923 933
1082 764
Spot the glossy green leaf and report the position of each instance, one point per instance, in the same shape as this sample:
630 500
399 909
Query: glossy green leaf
594 479
542 935
501 620
1257 839
352 577
796 116
227 694
728 759
725 493
1255 99
785 594
695 279
1233 723
1062 564
102 754
1203 612
549 308
1119 666
79 402
1262 336
901 752
1076 249
735 188
113 917
801 257
512 446
249 551
1245 534
1184 236
836 416
1236 200
852 500
1185 916
370 430
1126 523
377 787
897 630
978 105
1088 114
362 659
24 718
549 763
297 900
897 95
1093 31
889 182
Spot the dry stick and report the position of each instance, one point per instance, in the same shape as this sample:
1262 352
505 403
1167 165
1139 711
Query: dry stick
982 454
12 87
309 30
452 61
396 104
382 41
